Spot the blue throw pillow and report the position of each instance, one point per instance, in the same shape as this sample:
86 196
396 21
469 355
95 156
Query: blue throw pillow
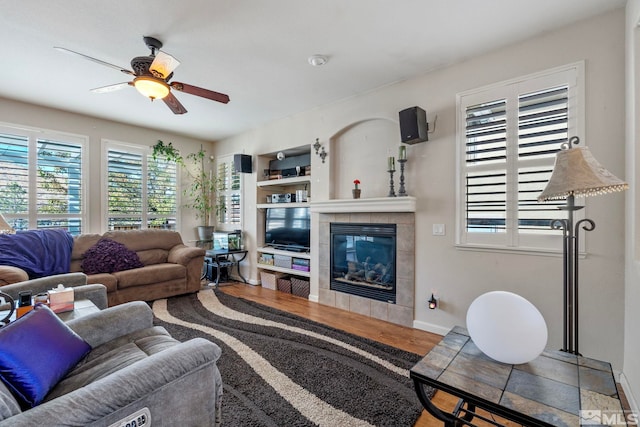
36 352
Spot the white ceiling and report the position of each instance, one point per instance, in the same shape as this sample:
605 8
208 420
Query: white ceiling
253 50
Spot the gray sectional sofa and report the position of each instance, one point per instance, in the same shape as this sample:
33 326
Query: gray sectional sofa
96 293
134 370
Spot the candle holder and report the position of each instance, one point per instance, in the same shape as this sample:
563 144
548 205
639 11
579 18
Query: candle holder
401 191
392 192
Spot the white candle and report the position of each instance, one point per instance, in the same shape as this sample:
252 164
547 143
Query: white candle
402 154
392 164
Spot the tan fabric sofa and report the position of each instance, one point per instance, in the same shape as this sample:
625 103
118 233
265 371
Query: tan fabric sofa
9 275
170 267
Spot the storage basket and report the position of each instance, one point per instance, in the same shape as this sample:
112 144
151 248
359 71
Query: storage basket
283 261
284 284
269 279
300 287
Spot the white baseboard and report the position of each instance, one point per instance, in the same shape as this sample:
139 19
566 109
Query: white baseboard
430 327
249 281
314 298
633 403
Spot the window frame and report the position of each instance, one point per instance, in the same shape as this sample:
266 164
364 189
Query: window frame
33 136
513 239
145 153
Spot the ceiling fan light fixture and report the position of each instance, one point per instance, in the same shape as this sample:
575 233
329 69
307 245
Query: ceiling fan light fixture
151 87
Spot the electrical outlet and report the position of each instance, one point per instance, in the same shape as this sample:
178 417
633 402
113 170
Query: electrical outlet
438 230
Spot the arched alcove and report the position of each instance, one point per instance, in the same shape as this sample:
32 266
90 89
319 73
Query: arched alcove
360 151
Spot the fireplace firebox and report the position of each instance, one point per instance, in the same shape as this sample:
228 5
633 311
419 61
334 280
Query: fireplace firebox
363 260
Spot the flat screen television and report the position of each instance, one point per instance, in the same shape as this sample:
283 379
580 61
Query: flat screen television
288 228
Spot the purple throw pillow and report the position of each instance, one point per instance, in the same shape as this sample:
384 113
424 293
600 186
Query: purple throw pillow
36 352
108 256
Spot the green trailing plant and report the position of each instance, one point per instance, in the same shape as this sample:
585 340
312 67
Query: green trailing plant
202 193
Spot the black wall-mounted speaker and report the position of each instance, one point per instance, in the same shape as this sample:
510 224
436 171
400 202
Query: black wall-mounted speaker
413 125
242 163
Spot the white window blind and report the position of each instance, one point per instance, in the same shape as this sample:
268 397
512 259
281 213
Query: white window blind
141 192
509 134
59 185
229 209
14 179
162 196
41 181
124 190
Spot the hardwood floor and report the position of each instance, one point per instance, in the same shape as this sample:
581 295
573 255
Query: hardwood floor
408 339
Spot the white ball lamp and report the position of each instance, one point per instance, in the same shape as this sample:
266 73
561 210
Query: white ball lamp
507 327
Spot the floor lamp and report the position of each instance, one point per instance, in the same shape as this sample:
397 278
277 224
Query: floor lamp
575 173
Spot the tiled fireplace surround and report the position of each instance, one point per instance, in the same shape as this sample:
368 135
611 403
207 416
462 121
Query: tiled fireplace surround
400 313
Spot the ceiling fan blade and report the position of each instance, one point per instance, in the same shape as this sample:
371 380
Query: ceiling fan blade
90 58
198 91
173 104
163 64
110 88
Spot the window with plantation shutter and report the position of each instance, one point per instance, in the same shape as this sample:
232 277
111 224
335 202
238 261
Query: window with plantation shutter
14 180
162 196
59 185
508 136
41 180
229 212
141 192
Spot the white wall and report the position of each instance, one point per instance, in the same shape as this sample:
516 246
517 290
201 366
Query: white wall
631 376
96 130
460 276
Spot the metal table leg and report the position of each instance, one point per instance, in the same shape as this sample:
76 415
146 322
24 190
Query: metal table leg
216 283
451 419
237 264
448 419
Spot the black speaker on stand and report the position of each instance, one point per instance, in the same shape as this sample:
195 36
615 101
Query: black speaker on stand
242 163
413 125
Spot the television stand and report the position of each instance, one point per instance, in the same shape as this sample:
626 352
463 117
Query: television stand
268 249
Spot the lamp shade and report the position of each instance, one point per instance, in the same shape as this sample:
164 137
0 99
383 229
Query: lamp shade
577 172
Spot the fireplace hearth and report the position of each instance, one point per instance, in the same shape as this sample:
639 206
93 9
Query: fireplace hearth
363 260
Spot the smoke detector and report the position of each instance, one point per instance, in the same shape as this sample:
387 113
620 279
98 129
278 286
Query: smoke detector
318 60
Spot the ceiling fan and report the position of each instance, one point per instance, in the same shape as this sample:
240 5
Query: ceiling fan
151 75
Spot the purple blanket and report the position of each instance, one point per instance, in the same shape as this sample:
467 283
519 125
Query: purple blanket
38 252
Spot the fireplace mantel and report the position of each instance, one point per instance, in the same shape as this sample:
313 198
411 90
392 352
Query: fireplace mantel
374 204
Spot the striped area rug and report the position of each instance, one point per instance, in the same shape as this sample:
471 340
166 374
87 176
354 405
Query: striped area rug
279 369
